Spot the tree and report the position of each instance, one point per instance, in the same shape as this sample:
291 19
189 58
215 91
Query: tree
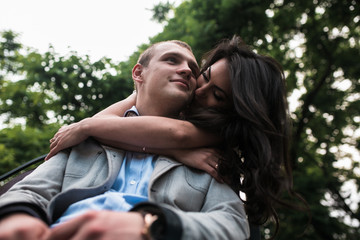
317 42
47 90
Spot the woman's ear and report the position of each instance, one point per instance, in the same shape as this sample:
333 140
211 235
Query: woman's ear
137 73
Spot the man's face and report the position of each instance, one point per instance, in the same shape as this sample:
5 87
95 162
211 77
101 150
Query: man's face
170 77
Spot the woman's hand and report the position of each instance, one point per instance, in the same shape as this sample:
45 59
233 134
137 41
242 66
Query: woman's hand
205 159
66 136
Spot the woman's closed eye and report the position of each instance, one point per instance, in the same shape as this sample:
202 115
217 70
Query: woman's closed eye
218 96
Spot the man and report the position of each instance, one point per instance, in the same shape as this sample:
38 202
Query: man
178 202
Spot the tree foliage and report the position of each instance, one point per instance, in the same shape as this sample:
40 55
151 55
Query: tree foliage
40 92
318 44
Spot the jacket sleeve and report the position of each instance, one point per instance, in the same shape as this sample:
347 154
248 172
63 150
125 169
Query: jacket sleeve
222 217
32 194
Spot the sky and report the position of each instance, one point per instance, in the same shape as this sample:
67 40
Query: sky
111 28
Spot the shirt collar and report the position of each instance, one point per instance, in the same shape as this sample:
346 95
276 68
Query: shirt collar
131 112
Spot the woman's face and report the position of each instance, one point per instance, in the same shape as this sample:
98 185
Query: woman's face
214 87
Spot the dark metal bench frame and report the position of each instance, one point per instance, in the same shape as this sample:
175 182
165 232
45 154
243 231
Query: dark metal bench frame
16 179
22 167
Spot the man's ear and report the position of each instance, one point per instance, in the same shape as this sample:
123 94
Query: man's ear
137 73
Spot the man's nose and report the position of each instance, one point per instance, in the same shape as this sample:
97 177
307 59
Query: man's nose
184 70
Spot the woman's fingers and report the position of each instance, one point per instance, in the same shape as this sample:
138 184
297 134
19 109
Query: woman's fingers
213 161
53 151
211 164
214 158
54 143
214 173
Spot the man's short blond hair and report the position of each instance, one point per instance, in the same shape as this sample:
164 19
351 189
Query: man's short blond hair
146 56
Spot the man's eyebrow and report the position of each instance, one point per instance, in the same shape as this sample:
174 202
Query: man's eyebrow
195 68
192 64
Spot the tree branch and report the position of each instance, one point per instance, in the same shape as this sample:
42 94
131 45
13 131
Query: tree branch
305 113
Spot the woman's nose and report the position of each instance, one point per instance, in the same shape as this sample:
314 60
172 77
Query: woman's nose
201 91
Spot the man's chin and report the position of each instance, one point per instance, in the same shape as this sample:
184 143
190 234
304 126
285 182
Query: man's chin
185 96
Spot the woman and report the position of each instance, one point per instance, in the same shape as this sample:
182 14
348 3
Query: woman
240 106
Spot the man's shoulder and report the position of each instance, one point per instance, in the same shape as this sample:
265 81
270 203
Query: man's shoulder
195 178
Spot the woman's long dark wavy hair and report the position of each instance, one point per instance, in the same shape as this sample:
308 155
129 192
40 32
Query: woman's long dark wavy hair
256 129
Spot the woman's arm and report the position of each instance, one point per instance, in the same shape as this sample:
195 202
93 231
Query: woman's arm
109 127
157 135
205 159
148 131
143 131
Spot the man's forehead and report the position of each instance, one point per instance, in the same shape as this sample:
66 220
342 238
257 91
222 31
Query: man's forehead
170 47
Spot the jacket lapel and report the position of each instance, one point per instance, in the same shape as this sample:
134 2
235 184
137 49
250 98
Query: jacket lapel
115 158
162 166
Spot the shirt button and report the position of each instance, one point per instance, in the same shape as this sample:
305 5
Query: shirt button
132 182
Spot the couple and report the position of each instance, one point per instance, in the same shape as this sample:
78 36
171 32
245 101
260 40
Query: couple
239 105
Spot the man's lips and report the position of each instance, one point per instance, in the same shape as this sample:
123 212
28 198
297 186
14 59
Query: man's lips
186 83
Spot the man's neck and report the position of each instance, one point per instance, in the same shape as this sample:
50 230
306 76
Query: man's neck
156 110
168 106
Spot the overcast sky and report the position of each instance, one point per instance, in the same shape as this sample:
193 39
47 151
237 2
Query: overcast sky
112 28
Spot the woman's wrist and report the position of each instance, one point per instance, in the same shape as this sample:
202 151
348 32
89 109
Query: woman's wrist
85 126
